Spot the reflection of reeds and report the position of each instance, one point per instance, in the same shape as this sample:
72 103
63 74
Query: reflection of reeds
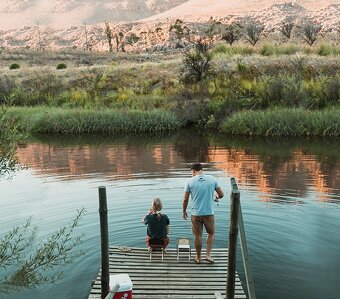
47 120
284 122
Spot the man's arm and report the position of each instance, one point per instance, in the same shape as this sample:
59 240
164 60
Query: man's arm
219 192
185 205
167 229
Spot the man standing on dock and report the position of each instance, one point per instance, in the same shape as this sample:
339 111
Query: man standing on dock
202 189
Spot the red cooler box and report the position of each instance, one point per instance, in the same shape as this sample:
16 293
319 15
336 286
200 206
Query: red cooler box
125 286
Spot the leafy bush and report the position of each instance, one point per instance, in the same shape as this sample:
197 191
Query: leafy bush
267 50
61 66
294 93
26 265
7 87
14 66
324 92
269 91
197 63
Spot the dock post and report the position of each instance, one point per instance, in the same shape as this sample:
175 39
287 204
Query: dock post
104 236
233 232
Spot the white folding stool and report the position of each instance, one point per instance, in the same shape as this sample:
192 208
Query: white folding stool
183 245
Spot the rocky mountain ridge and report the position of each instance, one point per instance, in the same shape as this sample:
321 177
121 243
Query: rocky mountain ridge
154 34
63 13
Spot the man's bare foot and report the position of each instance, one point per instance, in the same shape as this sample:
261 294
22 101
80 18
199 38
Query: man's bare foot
197 260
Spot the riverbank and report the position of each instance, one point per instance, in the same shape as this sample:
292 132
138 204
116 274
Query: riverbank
240 90
270 122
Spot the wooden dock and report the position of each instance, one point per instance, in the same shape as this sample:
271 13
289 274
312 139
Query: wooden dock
169 279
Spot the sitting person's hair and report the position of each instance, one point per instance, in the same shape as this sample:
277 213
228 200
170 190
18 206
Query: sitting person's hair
157 207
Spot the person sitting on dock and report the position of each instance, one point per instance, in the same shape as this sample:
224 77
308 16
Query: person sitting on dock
158 226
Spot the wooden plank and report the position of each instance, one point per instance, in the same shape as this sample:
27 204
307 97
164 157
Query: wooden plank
178 296
245 258
160 279
169 279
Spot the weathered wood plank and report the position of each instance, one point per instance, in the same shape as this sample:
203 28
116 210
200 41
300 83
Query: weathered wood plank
155 296
169 278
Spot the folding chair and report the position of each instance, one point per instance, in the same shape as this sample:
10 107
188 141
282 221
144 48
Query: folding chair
156 245
183 244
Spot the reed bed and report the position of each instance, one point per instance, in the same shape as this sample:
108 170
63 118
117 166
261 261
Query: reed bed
284 122
76 121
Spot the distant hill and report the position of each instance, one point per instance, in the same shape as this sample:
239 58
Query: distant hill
20 13
193 9
144 23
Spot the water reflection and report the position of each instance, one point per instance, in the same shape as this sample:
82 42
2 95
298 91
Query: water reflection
284 170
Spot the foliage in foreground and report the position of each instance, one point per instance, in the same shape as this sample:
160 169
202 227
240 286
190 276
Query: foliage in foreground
9 137
25 265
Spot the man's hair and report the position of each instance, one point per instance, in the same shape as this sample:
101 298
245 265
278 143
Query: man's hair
196 166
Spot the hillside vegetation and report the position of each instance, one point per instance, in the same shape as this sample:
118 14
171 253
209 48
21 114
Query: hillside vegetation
206 85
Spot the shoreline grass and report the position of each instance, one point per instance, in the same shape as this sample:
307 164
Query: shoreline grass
77 121
284 122
272 122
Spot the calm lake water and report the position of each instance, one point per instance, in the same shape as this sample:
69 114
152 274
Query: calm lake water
290 195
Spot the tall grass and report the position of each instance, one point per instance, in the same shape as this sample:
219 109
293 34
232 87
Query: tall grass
269 49
284 122
75 121
328 49
233 50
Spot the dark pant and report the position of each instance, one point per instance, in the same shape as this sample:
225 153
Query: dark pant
157 242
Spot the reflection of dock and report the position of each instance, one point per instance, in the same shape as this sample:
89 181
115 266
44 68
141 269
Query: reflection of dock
159 279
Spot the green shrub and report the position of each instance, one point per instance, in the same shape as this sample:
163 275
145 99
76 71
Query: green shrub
267 50
294 93
324 92
7 87
288 50
75 98
196 65
61 66
14 66
328 49
221 48
269 91
232 50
